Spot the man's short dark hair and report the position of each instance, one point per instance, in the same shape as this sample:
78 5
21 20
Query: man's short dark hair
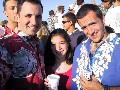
79 2
60 8
110 1
51 12
70 16
5 1
86 8
20 3
106 0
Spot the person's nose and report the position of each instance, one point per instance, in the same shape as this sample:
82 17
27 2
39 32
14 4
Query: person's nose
33 20
90 30
58 48
15 10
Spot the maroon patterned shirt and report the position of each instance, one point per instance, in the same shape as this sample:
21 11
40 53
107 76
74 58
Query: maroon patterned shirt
21 63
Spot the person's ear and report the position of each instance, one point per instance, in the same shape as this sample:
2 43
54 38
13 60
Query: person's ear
18 18
103 20
71 23
5 13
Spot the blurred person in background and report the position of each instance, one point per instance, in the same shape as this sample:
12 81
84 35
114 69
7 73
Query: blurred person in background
112 17
4 22
104 6
51 21
10 11
58 15
42 35
71 8
78 5
69 20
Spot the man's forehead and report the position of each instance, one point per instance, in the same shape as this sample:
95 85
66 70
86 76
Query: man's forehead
11 3
28 7
90 17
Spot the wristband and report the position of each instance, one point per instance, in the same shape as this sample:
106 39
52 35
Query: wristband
106 87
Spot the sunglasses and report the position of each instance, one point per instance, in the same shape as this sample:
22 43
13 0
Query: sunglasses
65 22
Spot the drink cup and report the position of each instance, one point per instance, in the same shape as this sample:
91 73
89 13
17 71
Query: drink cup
53 81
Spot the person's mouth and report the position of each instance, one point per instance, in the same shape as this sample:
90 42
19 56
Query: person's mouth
32 28
94 36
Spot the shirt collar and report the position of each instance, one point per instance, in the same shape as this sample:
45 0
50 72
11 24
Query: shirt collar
70 33
27 37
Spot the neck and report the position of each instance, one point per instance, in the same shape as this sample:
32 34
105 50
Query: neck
71 29
12 25
61 12
94 45
60 59
103 39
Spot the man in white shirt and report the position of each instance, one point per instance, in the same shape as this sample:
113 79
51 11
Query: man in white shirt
112 17
59 17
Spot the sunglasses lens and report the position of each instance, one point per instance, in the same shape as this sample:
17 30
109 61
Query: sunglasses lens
64 22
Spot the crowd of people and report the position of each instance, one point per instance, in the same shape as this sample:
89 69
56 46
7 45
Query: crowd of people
81 46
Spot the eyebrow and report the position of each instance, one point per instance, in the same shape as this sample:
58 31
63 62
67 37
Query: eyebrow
59 42
91 23
88 25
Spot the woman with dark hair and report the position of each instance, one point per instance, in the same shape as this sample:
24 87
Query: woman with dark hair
58 58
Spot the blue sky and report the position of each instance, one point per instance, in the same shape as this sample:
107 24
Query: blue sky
48 5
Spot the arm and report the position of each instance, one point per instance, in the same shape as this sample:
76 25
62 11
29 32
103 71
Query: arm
115 88
93 84
5 64
93 2
56 10
5 71
74 3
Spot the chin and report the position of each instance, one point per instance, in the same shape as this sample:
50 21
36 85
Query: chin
32 34
96 41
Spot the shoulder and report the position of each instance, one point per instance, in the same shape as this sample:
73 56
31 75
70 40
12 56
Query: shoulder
77 32
77 50
110 11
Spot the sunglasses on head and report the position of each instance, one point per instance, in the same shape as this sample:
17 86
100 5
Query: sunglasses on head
65 22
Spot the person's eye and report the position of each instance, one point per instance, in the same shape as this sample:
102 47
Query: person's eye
62 42
83 28
52 44
12 8
28 15
93 23
39 16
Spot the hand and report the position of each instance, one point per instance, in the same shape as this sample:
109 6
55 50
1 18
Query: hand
2 31
90 85
46 82
1 36
57 6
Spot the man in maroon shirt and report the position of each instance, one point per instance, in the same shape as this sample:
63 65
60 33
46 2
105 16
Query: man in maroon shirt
21 62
